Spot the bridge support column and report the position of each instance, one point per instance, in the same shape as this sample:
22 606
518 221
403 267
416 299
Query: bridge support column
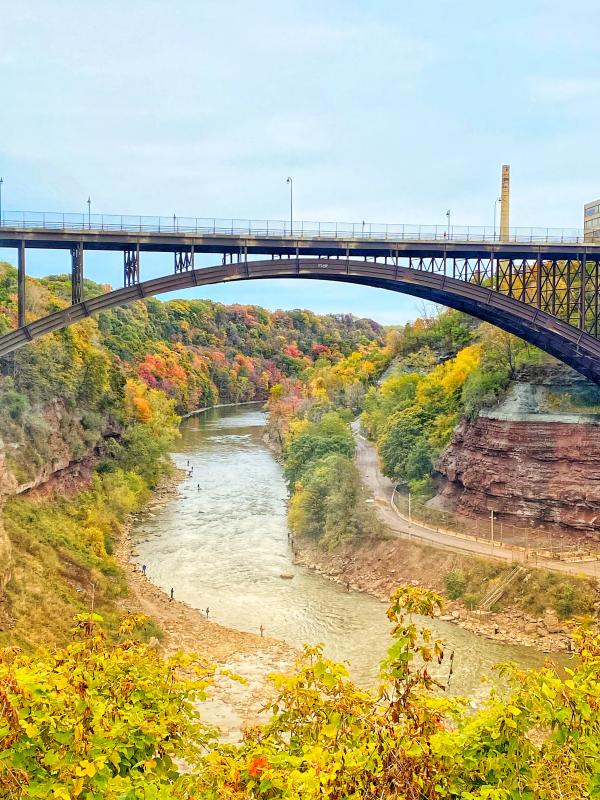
131 266
184 260
21 285
77 273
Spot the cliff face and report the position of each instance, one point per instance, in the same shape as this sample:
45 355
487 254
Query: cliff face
71 461
541 472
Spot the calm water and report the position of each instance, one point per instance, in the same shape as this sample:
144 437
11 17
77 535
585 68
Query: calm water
225 545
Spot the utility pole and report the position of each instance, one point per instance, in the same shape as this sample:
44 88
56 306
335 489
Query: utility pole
409 508
496 201
492 527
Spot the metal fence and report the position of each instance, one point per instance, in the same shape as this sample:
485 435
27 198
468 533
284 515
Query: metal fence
533 541
49 220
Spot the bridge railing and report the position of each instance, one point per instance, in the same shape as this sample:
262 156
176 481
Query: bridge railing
207 226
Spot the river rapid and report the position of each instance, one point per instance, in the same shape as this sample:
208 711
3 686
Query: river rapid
222 544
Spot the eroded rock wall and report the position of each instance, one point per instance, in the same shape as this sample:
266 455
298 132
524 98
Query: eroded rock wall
72 455
540 472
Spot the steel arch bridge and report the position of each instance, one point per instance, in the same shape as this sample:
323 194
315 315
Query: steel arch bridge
544 288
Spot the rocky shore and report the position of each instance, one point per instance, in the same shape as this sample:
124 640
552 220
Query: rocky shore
379 566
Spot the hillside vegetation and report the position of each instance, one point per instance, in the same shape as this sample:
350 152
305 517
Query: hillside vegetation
102 400
88 709
412 395
116 721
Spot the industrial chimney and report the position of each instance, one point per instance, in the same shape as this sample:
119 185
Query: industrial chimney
505 203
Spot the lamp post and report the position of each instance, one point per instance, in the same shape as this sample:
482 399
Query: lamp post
291 183
1 182
89 205
496 201
448 215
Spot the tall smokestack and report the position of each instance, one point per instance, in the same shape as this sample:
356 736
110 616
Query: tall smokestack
505 203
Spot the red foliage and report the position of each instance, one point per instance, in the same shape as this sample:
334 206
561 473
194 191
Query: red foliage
257 766
292 351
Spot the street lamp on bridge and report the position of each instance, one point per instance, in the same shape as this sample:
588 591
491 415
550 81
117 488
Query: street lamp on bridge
448 215
1 182
89 205
496 201
291 183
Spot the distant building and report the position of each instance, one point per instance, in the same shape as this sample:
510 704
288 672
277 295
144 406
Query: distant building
591 221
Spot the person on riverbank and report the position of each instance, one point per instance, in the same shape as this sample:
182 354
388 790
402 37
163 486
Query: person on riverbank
172 593
207 612
143 569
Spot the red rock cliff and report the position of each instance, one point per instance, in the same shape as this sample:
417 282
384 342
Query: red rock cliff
545 473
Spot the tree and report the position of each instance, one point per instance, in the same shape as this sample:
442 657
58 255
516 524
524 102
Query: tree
398 439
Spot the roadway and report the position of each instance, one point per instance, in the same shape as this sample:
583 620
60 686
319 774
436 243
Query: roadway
381 488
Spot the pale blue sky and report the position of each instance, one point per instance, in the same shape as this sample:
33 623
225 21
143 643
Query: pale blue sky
383 111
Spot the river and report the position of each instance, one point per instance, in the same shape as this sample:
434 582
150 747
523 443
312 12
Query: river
222 544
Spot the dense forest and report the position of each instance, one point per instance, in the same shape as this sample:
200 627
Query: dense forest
105 371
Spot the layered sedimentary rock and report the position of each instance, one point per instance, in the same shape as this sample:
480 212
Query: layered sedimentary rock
532 472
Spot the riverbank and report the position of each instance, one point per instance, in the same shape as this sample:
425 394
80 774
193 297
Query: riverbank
222 405
378 566
184 628
232 705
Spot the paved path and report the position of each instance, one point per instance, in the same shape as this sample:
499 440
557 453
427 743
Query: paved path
382 488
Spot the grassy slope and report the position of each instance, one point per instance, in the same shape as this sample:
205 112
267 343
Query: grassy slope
61 553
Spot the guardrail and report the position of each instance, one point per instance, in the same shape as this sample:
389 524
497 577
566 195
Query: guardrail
58 221
518 552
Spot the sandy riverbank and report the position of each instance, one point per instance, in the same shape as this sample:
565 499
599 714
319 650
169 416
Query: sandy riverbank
232 706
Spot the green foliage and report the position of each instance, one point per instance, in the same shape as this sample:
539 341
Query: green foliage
455 584
329 504
311 441
483 389
403 433
116 721
97 720
540 738
14 404
61 549
418 461
445 333
395 394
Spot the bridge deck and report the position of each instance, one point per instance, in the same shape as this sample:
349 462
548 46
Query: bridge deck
171 241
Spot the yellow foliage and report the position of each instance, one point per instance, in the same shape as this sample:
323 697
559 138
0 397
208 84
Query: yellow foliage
449 376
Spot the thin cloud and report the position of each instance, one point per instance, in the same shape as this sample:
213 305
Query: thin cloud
557 89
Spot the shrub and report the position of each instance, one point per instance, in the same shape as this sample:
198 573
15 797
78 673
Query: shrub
455 584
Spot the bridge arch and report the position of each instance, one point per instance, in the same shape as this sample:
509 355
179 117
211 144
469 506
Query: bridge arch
572 346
